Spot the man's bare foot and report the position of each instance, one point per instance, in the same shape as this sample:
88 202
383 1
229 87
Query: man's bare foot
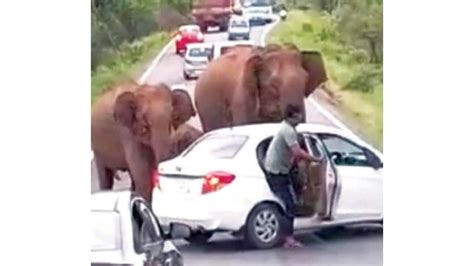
291 242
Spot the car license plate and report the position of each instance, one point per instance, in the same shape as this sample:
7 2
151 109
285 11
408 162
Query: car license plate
183 187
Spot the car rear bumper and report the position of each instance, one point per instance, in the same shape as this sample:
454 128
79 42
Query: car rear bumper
202 213
193 71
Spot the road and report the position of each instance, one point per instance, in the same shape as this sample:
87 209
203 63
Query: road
354 246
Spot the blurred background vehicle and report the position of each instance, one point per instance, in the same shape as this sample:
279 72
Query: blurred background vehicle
239 28
196 59
220 48
258 12
212 13
187 34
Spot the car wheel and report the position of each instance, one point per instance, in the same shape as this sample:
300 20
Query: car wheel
264 227
199 238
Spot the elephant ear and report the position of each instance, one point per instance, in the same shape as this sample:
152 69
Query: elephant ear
313 64
183 108
125 108
252 70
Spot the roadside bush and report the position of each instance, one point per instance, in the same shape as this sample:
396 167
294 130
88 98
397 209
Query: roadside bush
306 27
365 78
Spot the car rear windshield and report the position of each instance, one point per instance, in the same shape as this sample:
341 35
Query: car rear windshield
199 52
217 146
239 24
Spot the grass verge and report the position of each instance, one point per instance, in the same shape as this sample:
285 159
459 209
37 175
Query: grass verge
126 62
356 83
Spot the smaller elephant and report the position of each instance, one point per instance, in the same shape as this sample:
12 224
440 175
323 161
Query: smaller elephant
131 130
182 138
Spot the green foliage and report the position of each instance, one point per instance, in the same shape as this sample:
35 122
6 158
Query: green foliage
306 27
355 77
361 25
125 61
365 78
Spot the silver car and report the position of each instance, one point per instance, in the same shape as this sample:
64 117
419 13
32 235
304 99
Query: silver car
196 59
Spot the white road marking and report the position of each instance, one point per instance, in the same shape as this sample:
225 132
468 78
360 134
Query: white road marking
157 59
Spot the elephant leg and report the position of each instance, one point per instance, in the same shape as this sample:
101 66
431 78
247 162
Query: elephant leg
105 176
143 188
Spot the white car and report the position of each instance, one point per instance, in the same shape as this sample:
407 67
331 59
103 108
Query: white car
218 184
239 28
220 48
196 59
126 232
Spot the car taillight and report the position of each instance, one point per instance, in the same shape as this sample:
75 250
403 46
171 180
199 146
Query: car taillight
216 180
155 179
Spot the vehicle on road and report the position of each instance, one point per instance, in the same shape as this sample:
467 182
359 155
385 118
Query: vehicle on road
258 12
187 34
239 28
220 48
196 59
218 184
125 231
212 13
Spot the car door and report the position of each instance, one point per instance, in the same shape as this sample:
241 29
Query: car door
362 192
328 184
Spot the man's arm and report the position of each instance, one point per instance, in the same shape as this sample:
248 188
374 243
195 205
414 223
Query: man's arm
292 141
299 153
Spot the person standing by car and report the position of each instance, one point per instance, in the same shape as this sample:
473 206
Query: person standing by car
282 150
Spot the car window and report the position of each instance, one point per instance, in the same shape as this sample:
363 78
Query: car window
315 147
342 151
239 24
217 146
199 52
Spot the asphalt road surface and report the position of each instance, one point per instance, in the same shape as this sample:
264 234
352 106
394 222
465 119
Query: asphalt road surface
353 246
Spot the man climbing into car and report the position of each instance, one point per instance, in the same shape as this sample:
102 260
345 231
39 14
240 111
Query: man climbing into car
282 150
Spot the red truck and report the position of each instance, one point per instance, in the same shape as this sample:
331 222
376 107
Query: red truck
211 13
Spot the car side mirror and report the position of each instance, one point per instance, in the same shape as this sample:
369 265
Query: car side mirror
373 160
179 231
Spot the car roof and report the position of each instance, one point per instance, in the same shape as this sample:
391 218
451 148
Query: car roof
239 18
234 43
268 129
261 131
199 45
188 27
107 200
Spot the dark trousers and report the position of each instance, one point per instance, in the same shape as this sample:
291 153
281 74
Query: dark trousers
281 185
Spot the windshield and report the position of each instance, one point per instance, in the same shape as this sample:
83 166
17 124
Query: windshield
257 3
199 52
239 24
217 146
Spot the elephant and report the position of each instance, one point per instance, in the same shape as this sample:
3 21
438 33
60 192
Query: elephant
254 84
131 130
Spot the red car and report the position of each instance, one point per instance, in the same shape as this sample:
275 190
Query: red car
187 34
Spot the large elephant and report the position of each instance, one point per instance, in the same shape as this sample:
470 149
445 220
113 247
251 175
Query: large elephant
132 128
254 84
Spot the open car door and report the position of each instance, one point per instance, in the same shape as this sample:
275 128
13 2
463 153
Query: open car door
319 185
